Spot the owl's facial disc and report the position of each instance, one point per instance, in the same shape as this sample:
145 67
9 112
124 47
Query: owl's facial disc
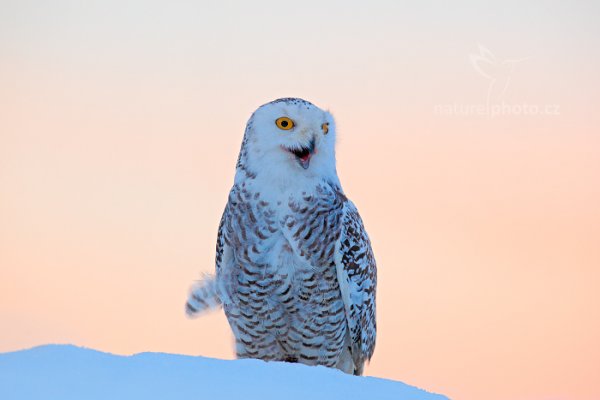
303 154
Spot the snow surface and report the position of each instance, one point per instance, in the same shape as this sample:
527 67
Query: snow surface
67 372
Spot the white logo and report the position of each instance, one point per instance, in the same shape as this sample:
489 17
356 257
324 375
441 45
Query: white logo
498 72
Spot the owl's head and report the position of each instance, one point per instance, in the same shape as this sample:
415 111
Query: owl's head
289 137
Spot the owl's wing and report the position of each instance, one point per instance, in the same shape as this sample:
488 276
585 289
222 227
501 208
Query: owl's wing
357 276
206 294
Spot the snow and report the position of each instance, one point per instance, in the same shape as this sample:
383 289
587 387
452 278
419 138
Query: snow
68 372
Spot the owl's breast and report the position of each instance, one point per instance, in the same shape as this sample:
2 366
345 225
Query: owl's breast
283 286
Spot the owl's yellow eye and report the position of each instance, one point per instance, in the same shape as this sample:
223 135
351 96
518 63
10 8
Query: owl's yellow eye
284 123
325 128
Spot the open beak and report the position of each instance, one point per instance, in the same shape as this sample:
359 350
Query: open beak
303 154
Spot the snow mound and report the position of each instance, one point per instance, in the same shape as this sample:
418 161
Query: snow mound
68 372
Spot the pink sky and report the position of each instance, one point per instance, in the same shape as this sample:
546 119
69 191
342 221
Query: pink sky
120 127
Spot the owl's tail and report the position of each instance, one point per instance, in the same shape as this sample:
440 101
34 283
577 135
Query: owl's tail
204 296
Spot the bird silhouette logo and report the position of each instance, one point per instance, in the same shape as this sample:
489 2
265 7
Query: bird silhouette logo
499 73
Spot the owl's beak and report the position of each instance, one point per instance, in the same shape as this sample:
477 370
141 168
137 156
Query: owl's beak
303 154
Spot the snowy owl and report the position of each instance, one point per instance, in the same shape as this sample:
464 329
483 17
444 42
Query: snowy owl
295 272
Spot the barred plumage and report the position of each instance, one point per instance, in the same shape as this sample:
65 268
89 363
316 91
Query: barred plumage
295 272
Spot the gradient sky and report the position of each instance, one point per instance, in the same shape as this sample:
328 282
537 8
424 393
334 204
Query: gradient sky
120 124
